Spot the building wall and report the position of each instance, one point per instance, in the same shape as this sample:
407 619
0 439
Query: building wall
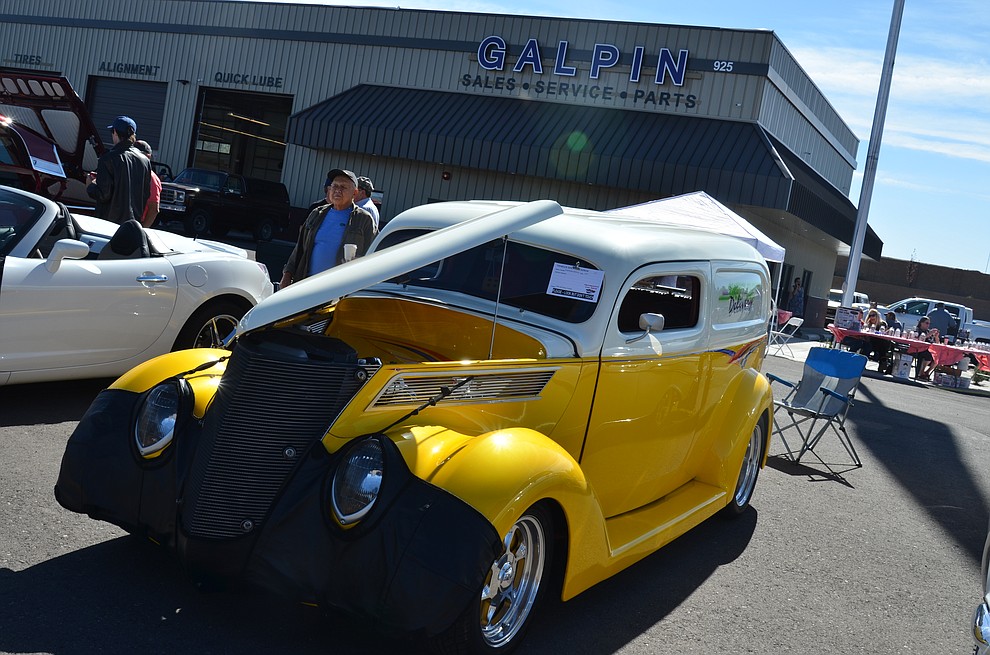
315 52
890 280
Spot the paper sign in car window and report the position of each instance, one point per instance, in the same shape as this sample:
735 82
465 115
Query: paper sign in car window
570 281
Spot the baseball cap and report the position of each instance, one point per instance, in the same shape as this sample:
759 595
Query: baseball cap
365 185
337 172
123 125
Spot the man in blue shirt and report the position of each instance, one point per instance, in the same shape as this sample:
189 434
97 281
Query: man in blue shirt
329 229
941 320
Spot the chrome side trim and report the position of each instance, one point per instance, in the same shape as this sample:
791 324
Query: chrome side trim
515 385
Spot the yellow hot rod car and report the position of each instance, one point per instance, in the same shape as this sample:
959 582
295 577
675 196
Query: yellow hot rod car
500 401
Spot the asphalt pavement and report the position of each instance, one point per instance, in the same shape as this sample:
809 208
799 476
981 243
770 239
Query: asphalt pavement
883 558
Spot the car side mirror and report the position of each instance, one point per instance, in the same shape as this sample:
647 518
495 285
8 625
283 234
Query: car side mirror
649 322
65 249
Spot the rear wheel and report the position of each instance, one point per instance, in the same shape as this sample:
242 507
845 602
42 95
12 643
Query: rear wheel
497 619
749 471
210 325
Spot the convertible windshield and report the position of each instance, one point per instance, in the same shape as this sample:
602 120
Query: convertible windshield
17 214
532 279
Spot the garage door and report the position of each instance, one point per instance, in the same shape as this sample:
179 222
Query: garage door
143 101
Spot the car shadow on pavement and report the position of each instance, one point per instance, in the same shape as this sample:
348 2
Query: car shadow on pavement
622 608
48 402
130 596
126 595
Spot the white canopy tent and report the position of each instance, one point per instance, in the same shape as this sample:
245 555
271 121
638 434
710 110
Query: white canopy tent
700 210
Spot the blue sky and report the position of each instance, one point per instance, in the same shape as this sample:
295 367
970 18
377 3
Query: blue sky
931 200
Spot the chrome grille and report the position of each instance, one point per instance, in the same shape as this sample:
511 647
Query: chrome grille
493 386
168 196
272 405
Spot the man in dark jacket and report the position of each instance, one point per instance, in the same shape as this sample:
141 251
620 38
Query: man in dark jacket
333 233
121 184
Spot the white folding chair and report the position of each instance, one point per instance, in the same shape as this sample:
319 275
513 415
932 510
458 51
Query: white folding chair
781 338
820 401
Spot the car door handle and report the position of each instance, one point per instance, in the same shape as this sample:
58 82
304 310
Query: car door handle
152 279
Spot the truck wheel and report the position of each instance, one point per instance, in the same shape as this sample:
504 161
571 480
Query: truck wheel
264 230
198 223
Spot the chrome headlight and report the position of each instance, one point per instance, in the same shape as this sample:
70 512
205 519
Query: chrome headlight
357 481
180 197
155 423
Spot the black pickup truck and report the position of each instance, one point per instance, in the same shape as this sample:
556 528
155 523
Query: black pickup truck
214 202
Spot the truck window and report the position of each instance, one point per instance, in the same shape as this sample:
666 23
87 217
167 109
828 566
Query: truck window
915 308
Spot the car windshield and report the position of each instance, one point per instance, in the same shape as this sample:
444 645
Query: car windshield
195 177
17 214
525 276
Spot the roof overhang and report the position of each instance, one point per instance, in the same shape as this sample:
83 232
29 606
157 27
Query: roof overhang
661 154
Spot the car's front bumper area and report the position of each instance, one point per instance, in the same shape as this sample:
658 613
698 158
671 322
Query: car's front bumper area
413 564
981 628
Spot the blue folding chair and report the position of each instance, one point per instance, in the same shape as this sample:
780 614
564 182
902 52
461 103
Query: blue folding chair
820 401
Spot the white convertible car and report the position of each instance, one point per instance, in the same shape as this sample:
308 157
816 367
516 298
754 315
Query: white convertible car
82 297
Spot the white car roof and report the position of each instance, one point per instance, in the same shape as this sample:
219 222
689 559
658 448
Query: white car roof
613 243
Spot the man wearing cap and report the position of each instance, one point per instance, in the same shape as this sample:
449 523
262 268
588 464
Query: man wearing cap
362 198
154 200
121 184
331 232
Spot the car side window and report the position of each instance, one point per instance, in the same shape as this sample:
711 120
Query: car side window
916 308
677 297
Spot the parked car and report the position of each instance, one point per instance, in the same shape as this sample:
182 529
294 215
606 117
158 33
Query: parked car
48 142
909 310
214 202
499 403
72 307
860 301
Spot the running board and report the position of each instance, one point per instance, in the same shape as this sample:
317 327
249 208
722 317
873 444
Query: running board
638 533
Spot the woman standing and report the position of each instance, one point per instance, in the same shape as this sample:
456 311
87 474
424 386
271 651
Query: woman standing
795 304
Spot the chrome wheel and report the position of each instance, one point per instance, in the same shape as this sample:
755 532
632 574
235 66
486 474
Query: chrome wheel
750 468
213 333
513 583
210 325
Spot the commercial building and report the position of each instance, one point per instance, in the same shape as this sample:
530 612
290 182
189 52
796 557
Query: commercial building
439 106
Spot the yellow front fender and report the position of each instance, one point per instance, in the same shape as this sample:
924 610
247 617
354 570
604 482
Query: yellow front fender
212 362
503 473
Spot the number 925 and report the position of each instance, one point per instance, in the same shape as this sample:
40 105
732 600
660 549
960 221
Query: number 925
723 66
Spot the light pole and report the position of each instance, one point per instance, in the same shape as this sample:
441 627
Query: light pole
872 157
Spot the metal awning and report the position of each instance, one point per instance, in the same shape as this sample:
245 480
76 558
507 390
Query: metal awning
660 154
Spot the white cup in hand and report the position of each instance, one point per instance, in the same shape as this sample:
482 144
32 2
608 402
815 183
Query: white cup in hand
350 251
